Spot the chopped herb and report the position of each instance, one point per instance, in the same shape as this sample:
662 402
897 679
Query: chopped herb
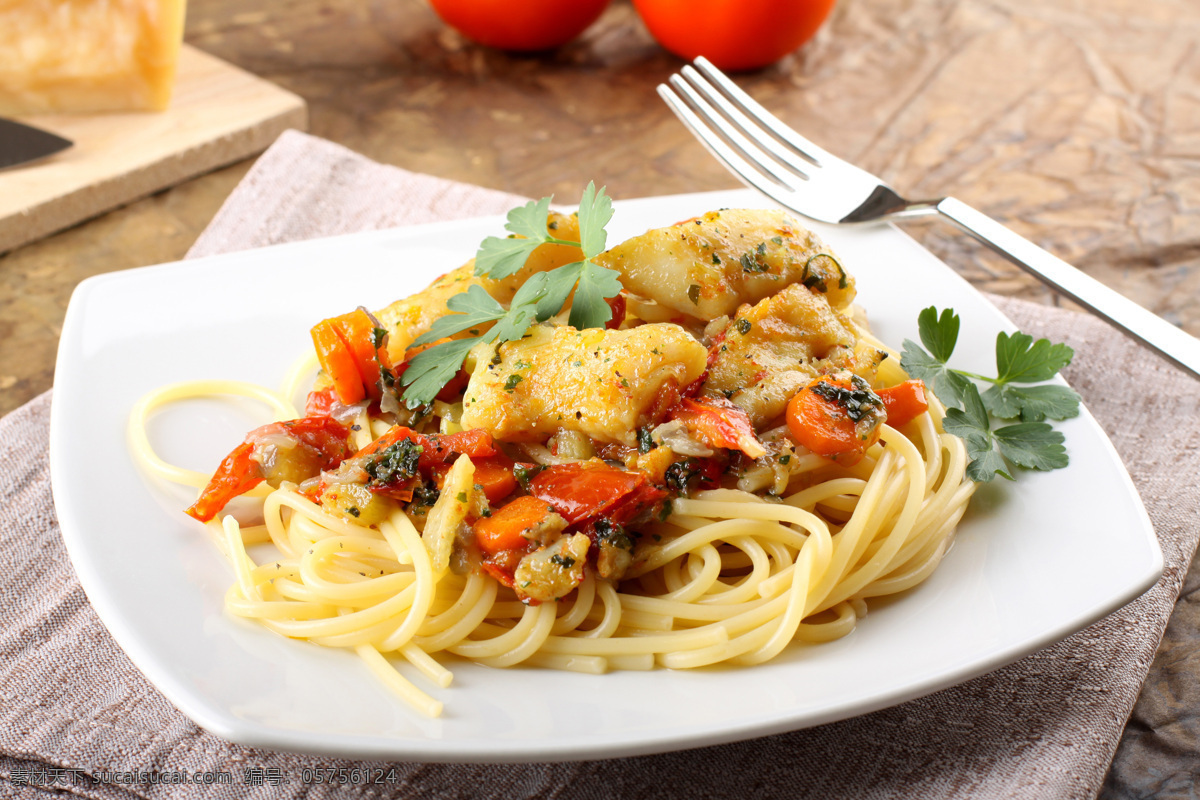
785 459
566 562
644 440
743 326
511 383
693 293
816 280
609 532
425 495
858 401
524 474
756 260
377 337
353 511
394 463
716 259
679 474
461 497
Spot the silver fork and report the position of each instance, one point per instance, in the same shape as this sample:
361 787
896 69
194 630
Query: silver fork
769 156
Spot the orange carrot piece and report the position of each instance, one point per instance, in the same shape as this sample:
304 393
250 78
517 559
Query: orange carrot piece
354 366
358 332
505 529
904 402
338 362
495 475
826 427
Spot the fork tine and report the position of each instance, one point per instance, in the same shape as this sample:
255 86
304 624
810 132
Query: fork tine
750 174
719 125
748 127
751 108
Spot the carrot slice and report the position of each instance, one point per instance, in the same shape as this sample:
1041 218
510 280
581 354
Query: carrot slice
838 418
347 352
505 529
338 362
358 332
904 402
493 473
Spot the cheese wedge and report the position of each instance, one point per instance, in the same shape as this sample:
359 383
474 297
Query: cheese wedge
88 55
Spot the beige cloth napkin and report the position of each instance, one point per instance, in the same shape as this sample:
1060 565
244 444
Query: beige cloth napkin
1045 727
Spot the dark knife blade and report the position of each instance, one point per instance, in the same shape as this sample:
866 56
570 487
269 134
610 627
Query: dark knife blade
20 144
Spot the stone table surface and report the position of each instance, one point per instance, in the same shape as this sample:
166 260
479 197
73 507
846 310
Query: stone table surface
1075 122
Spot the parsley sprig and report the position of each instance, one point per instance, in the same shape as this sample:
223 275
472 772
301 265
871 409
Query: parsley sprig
541 296
1019 361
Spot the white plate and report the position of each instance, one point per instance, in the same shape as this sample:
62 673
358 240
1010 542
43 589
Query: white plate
1035 560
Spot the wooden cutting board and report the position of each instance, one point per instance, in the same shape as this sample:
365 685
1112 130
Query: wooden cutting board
219 114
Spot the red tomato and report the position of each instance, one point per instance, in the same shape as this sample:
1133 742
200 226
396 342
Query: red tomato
733 34
522 25
580 492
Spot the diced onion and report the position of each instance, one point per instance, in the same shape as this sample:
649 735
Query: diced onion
674 435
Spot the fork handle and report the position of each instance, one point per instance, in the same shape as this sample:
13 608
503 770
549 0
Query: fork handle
1169 341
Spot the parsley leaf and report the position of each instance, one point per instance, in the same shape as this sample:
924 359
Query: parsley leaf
1031 403
522 312
474 307
595 210
938 334
1019 360
540 297
589 310
559 283
1032 444
502 257
499 258
529 220
948 385
971 424
432 369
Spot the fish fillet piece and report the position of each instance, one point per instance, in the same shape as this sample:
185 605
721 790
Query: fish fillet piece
708 266
773 348
599 382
